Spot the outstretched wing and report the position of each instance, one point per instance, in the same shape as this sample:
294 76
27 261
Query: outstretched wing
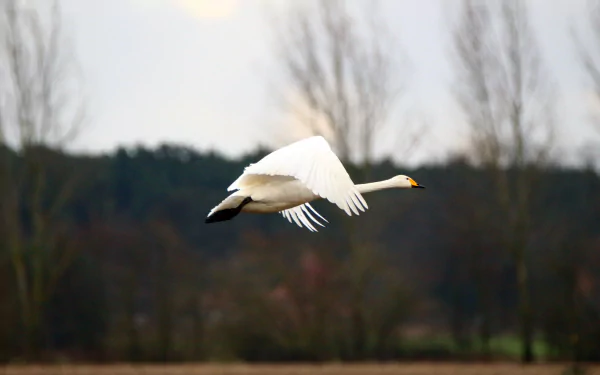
311 161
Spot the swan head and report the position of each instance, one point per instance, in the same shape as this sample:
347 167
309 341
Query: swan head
405 182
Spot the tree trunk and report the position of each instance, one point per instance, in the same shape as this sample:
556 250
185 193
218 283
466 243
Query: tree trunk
134 346
164 300
198 329
32 336
358 333
525 313
484 335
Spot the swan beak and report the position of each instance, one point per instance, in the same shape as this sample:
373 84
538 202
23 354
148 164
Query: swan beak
415 185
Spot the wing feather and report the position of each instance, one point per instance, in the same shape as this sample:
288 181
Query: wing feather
301 215
311 161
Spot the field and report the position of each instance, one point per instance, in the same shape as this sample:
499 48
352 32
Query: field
328 369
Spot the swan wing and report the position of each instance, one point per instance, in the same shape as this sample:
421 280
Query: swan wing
301 215
311 161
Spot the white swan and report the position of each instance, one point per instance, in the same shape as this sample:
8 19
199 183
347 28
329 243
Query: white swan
287 179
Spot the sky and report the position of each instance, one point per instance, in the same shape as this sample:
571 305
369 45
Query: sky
197 72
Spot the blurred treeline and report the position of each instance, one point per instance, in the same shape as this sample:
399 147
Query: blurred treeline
108 258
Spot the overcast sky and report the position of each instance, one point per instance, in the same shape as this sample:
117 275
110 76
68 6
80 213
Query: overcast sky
196 71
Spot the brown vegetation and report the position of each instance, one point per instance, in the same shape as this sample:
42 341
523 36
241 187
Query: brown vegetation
294 369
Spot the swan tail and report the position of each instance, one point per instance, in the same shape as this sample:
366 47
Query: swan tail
228 209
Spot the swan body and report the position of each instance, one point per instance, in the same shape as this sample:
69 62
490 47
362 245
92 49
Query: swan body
288 179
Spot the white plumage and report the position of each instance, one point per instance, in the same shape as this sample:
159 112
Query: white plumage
287 179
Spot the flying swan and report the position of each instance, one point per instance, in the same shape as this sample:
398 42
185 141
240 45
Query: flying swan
287 179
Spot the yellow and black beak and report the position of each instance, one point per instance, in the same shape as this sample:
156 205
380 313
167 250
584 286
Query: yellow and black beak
415 185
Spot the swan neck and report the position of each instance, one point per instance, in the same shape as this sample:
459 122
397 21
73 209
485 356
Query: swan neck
375 186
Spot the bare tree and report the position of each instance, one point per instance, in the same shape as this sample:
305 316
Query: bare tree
589 56
342 72
506 97
590 59
39 109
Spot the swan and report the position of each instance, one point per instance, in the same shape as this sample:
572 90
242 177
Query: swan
287 179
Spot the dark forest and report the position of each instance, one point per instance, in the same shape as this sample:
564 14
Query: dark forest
108 258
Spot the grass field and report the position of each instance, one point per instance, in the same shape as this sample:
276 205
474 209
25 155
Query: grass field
328 369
